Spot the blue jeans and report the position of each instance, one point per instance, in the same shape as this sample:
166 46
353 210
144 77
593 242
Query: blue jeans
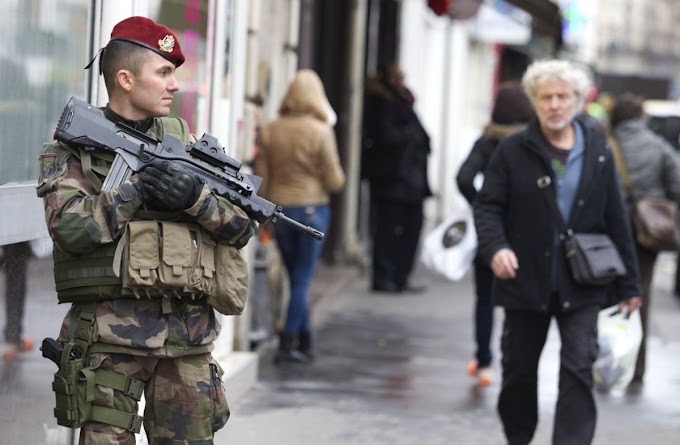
300 254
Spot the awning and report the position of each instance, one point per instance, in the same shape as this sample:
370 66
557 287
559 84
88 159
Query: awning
510 26
546 15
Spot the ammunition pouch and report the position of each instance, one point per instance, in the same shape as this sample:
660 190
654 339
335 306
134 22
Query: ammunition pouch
74 383
153 259
167 258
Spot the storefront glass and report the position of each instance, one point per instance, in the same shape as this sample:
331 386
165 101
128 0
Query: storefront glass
189 19
43 52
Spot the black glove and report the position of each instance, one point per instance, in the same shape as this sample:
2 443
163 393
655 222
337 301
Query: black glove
170 184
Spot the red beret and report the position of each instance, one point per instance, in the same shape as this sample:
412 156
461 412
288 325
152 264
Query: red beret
149 34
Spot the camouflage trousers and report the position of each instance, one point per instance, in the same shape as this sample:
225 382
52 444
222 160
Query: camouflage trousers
185 401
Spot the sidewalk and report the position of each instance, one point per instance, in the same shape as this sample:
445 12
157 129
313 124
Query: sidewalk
391 370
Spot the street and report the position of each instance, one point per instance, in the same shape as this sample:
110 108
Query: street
390 369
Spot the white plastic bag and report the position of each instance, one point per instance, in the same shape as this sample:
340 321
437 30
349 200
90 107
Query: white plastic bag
619 336
451 247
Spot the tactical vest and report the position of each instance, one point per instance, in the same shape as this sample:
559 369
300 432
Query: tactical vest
97 275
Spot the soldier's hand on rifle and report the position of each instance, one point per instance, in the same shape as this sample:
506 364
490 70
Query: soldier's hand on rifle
170 184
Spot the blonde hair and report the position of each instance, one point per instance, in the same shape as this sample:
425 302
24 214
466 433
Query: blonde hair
563 70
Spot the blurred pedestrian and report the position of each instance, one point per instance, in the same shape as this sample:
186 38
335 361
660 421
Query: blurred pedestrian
650 169
511 112
16 109
518 237
298 160
395 152
15 263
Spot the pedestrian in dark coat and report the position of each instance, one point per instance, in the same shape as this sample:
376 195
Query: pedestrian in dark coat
518 237
653 170
512 110
394 160
15 261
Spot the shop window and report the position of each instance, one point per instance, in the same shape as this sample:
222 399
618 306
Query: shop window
41 66
189 19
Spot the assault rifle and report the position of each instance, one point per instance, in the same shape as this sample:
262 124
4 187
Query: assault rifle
83 125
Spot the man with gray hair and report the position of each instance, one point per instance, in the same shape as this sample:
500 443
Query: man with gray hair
521 243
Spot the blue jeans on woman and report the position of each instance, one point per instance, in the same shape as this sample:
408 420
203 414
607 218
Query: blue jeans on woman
300 254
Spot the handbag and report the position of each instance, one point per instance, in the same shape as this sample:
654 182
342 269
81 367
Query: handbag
593 258
654 219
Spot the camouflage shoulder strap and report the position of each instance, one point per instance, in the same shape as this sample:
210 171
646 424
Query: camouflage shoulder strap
96 163
174 126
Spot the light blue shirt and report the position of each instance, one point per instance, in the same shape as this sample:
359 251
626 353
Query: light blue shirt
566 187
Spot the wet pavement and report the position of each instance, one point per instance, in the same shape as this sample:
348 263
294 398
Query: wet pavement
26 398
390 369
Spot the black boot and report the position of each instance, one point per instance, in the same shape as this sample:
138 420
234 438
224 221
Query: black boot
305 345
287 351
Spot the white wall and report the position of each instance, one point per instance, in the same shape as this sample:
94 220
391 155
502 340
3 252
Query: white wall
22 217
452 80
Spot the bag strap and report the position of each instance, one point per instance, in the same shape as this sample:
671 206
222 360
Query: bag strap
620 164
544 182
85 327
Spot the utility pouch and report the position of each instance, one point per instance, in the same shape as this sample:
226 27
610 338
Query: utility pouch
168 258
73 386
176 249
176 258
143 253
75 391
231 281
202 266
74 383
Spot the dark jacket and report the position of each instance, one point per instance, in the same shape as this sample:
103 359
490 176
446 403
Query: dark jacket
395 146
480 154
510 211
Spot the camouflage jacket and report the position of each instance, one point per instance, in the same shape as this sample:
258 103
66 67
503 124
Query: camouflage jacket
80 218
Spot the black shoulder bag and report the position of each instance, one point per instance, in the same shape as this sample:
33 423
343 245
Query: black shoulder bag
592 257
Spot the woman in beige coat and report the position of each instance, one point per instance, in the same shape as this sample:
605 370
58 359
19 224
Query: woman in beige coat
299 162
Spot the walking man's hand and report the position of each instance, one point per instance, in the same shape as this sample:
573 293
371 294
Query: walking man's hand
504 264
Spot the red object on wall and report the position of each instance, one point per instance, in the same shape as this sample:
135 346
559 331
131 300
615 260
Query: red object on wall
440 7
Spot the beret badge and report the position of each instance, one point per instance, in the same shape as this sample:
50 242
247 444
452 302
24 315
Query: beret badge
167 43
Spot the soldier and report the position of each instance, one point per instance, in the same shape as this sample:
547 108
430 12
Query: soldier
140 264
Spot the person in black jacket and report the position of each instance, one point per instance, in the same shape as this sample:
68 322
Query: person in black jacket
518 237
394 160
511 111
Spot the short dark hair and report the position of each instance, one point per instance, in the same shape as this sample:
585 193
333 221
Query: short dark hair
120 55
512 105
626 106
